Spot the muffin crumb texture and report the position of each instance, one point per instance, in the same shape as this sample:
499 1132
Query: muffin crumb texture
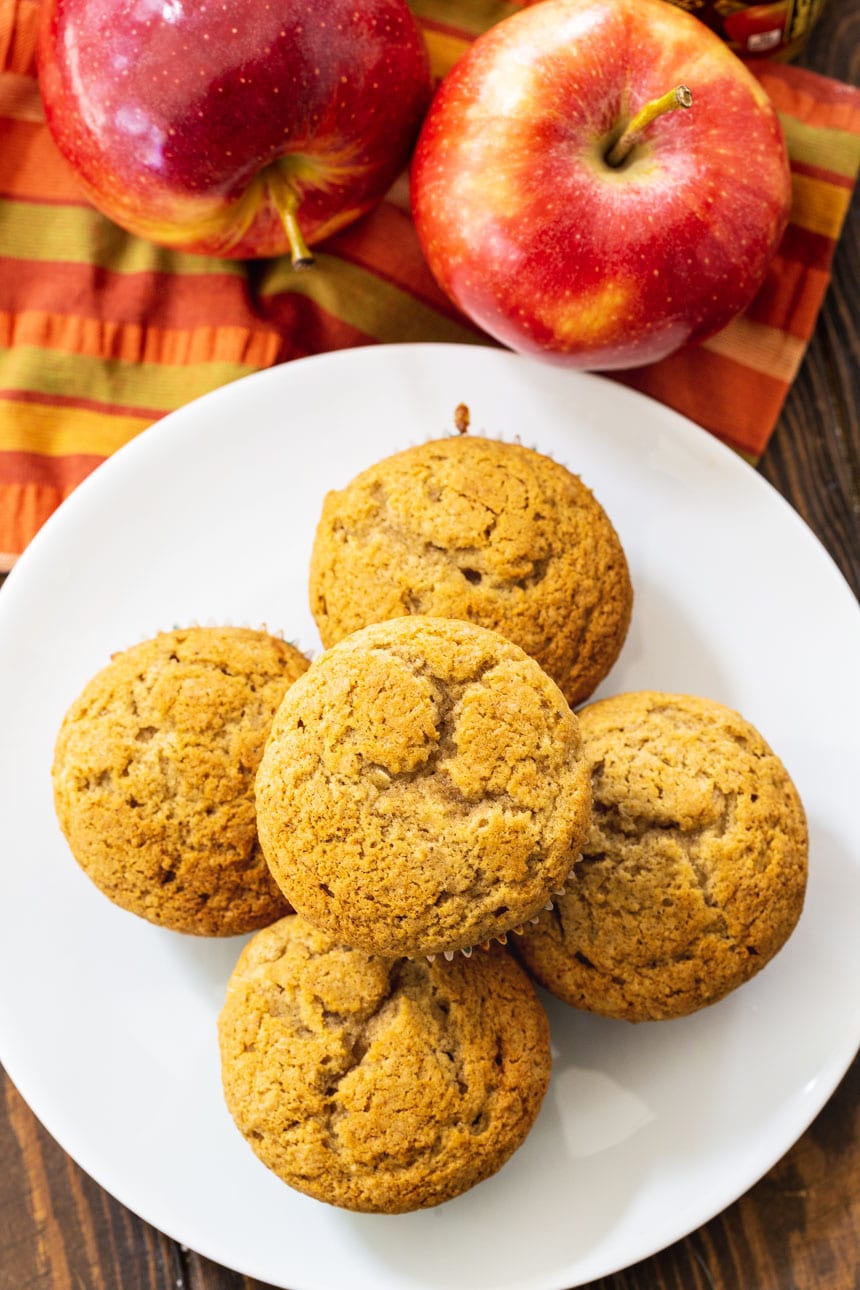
483 530
154 777
693 873
380 1085
423 788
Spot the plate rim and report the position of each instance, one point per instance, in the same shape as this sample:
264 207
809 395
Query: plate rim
102 477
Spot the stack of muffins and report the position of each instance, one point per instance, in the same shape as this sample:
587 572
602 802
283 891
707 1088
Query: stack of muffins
420 823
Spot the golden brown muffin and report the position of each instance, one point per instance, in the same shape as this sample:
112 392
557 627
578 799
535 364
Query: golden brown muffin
423 788
694 870
374 1084
154 777
487 531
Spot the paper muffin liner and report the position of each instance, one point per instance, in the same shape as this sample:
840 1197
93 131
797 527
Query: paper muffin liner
501 938
452 431
226 621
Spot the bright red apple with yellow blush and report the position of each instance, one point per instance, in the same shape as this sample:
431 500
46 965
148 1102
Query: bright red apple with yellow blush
568 213
234 127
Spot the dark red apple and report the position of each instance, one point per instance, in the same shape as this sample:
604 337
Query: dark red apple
559 241
233 127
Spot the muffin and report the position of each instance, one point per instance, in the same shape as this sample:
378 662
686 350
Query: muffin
154 777
693 873
491 532
380 1085
423 788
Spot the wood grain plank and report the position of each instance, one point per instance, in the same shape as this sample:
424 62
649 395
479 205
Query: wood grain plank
58 1229
202 1274
814 456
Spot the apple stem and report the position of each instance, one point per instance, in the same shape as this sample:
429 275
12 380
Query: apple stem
286 200
680 97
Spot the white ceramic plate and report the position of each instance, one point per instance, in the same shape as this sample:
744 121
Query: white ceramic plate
107 1025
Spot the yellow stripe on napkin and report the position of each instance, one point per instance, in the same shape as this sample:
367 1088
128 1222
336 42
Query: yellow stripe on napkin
366 302
34 428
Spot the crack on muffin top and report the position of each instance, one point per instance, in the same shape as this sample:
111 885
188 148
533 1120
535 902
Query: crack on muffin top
418 759
154 775
693 871
487 531
379 1084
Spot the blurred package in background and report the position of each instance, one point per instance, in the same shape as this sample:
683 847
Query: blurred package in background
776 30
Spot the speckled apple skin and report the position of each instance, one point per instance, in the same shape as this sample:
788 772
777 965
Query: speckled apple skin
170 111
552 251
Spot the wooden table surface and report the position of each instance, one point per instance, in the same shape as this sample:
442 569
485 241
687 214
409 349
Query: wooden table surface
799 1227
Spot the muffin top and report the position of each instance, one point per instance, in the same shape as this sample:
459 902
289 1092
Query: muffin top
694 870
154 777
491 532
374 1084
423 788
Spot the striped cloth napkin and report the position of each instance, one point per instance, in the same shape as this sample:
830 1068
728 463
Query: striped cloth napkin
102 333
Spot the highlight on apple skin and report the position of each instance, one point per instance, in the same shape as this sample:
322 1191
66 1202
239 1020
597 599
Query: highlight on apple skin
549 247
234 128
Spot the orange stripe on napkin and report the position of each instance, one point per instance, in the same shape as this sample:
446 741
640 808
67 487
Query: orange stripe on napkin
168 301
19 25
31 167
19 99
24 509
809 97
61 474
134 343
791 295
726 397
